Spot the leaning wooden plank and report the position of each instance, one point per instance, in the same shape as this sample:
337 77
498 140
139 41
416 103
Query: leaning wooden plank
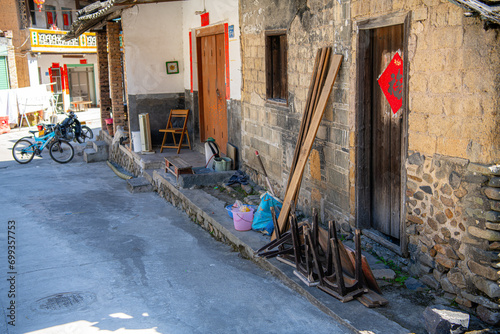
314 102
303 126
371 281
308 143
347 265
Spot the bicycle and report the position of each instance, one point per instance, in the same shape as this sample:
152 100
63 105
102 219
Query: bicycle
60 150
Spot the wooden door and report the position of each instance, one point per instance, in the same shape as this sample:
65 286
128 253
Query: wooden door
213 111
386 138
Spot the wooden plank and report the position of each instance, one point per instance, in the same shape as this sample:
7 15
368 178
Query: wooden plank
314 103
311 136
232 152
303 126
211 30
283 65
367 272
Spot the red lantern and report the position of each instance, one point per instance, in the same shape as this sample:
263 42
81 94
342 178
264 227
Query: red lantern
39 4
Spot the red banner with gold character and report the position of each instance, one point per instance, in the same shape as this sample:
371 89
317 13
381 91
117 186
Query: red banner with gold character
391 82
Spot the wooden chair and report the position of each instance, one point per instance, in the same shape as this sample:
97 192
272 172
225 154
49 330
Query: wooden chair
176 114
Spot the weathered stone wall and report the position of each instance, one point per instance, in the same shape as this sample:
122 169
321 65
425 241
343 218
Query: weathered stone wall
451 197
273 129
453 224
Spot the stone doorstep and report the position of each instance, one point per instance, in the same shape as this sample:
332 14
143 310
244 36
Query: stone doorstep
209 212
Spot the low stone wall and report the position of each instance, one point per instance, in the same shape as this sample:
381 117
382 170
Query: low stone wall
453 224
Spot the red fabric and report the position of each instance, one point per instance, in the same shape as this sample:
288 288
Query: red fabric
83 61
191 59
50 19
391 82
66 19
205 21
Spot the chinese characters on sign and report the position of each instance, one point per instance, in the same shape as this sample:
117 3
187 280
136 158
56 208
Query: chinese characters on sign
43 40
391 82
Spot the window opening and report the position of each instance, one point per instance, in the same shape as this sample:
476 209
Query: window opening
276 66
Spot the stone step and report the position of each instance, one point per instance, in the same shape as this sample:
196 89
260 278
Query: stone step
98 152
139 185
100 146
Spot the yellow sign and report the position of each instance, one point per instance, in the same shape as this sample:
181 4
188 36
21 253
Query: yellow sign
44 40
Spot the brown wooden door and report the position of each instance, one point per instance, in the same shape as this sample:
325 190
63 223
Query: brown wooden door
386 138
213 111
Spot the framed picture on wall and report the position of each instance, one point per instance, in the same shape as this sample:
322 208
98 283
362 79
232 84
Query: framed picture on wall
172 67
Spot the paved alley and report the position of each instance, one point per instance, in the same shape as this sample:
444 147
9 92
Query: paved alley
90 257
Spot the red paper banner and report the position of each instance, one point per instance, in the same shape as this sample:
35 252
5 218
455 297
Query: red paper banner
65 19
205 21
391 82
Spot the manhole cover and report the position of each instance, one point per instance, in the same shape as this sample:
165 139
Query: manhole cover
65 301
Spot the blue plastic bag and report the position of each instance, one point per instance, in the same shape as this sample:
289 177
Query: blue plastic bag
263 219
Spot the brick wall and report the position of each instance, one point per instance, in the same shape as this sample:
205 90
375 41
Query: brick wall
102 62
9 21
273 129
115 57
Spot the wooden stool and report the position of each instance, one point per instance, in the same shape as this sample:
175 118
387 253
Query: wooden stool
177 166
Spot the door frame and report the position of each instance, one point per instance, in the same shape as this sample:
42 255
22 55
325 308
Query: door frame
203 32
363 147
93 94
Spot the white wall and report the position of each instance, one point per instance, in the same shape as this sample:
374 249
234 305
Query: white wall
152 35
220 11
156 33
45 61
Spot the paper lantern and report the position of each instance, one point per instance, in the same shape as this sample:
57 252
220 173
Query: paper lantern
39 4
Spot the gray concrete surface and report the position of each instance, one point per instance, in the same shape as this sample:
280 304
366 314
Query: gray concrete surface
90 257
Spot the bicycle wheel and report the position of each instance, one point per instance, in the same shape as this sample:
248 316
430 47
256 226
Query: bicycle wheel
61 151
23 151
86 134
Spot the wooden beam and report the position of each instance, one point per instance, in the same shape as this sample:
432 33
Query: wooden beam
309 140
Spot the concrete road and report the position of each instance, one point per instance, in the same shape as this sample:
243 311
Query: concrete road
89 257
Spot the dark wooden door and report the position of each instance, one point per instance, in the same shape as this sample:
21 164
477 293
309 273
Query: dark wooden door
386 138
213 111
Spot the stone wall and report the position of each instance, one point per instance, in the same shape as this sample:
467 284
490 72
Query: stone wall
272 129
452 212
453 224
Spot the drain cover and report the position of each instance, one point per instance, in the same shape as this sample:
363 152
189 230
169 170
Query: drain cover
65 301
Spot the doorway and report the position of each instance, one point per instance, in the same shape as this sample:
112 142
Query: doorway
81 83
381 150
211 53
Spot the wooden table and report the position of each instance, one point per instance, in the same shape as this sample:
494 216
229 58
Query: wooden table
177 166
81 104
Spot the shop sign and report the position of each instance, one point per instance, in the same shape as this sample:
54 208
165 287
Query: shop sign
43 40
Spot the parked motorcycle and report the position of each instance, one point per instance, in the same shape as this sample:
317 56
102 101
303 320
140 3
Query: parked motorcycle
72 129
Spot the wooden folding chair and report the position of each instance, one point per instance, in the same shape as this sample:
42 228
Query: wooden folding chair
176 114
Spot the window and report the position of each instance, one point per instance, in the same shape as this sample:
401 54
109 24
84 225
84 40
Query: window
50 12
67 20
31 7
276 66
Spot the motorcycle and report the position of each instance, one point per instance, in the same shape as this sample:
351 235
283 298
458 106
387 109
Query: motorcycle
73 130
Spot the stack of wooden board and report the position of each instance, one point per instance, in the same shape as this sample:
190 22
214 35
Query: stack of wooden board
319 91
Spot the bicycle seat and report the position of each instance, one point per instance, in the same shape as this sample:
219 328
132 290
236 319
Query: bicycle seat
33 132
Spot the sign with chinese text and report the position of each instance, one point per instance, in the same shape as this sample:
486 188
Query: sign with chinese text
44 40
391 82
205 20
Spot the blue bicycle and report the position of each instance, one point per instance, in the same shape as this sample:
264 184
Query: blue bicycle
60 150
